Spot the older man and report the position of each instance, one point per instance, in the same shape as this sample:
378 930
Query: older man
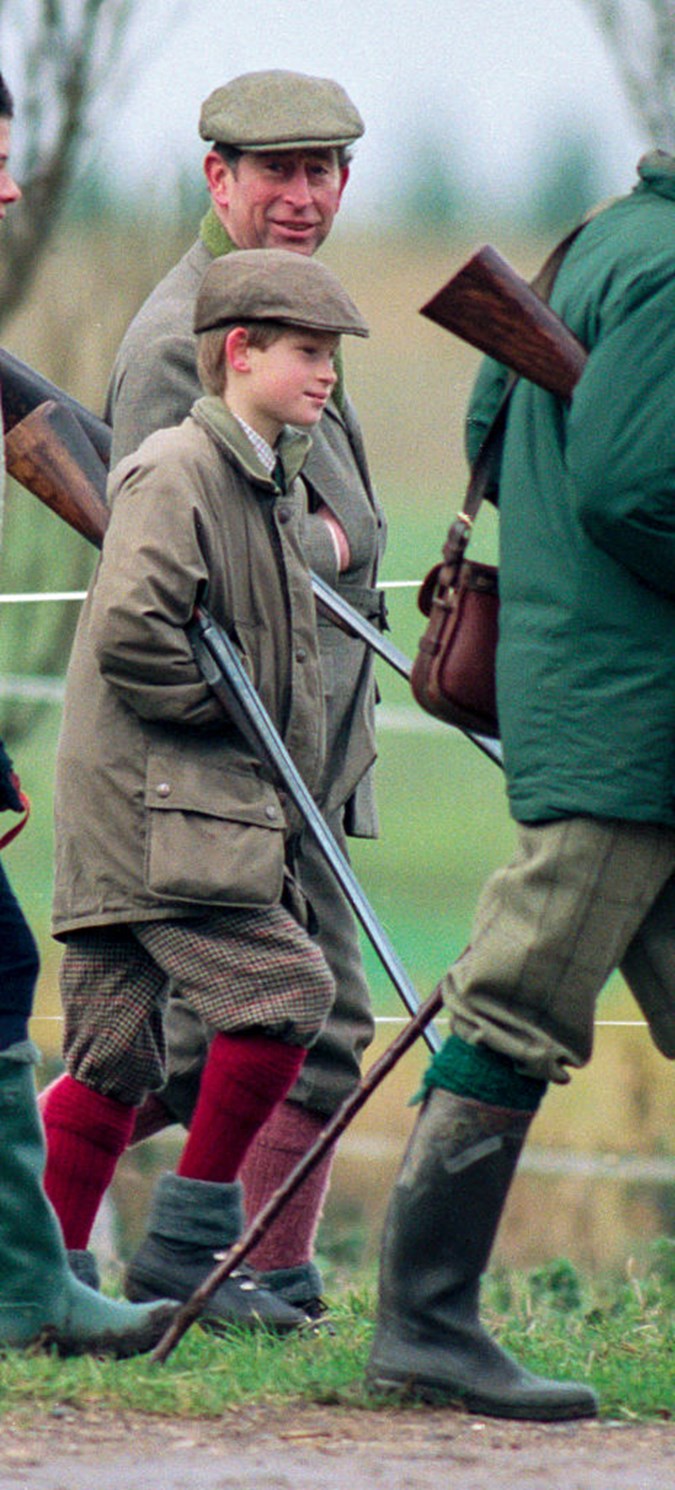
276 169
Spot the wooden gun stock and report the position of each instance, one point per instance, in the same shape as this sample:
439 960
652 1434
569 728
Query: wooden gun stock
23 389
50 455
488 304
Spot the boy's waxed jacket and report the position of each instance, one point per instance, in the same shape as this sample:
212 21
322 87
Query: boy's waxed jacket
161 809
586 657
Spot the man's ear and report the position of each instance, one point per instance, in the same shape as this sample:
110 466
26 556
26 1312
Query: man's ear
344 177
238 349
218 177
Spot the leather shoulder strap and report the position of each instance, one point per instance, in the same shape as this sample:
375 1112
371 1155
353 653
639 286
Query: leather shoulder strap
483 469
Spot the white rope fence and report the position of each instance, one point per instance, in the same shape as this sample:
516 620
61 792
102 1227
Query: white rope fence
400 1019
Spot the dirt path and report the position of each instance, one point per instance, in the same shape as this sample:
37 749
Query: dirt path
329 1449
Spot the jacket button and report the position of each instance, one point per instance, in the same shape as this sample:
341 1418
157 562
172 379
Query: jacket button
301 654
163 789
284 514
270 813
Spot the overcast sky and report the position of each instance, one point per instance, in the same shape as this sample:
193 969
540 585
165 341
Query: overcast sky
491 81
493 78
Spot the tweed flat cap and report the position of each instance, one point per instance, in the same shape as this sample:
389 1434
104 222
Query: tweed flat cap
273 284
280 110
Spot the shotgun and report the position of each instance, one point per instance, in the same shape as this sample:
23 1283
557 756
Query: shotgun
38 450
23 389
489 305
50 454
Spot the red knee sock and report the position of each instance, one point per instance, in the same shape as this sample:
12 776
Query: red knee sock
277 1149
86 1133
243 1079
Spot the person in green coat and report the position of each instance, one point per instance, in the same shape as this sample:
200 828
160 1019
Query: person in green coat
586 702
41 1301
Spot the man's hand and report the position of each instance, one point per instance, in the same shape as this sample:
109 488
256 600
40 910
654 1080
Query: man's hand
338 535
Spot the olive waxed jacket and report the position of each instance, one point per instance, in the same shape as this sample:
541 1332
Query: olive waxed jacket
153 384
161 809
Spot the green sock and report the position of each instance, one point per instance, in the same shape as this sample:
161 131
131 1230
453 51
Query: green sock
484 1074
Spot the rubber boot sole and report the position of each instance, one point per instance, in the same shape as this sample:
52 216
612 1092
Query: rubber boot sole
435 1394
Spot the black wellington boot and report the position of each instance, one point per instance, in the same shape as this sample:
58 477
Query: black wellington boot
192 1223
441 1223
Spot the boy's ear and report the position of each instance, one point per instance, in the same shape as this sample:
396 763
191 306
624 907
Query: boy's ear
237 350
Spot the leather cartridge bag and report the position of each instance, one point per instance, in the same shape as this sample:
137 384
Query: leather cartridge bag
453 674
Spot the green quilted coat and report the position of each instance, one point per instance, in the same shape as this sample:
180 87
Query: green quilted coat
586 660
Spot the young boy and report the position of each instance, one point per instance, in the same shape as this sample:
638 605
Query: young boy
174 852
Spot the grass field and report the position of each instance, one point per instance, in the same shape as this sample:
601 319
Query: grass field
618 1336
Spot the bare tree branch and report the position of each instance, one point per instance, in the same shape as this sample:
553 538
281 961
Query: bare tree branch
640 35
68 61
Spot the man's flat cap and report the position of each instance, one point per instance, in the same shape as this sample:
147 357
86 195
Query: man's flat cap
280 111
274 284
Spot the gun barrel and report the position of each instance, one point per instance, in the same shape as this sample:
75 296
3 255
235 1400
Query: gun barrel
23 389
489 305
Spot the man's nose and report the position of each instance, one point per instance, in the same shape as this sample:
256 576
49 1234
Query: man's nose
298 190
9 191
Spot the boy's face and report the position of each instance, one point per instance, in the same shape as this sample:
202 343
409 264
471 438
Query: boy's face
288 382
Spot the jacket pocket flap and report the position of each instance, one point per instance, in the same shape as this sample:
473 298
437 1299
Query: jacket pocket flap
181 784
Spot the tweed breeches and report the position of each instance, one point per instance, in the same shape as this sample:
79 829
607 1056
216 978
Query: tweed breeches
242 971
581 898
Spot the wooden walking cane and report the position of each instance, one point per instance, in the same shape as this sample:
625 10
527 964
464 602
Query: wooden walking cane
193 1307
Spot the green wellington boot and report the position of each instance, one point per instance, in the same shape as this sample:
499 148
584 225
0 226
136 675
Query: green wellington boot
40 1298
440 1227
192 1224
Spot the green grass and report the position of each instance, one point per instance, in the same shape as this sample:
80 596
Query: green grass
615 1334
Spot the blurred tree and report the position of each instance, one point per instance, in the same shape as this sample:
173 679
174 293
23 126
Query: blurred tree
65 61
61 60
567 182
641 36
430 196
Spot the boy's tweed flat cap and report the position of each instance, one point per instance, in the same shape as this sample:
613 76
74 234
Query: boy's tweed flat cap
273 284
280 111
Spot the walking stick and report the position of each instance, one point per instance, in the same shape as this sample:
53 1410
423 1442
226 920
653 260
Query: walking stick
223 670
193 1306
